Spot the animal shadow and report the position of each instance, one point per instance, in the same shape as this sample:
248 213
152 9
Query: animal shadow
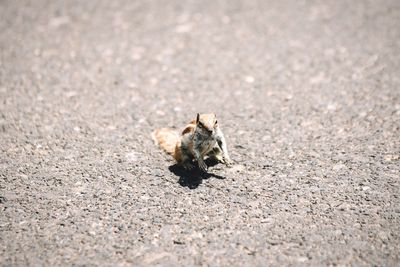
193 178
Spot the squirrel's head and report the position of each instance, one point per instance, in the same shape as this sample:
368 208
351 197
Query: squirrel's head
206 123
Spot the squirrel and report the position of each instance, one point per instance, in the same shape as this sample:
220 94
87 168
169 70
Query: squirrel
201 138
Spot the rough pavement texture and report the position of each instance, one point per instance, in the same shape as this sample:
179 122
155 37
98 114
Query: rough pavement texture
307 93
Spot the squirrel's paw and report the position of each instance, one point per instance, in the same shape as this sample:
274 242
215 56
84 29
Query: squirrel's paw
188 166
227 161
202 166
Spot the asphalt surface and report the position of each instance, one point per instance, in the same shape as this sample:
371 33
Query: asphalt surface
306 92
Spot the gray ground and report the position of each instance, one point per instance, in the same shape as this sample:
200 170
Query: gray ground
307 93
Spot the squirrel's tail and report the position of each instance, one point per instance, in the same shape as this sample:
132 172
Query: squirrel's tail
166 138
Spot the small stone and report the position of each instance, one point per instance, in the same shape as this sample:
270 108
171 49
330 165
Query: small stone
70 94
266 138
383 235
332 107
184 28
302 259
338 167
132 85
154 81
131 156
288 97
391 157
249 79
59 21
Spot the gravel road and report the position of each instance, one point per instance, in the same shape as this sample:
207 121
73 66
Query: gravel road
306 92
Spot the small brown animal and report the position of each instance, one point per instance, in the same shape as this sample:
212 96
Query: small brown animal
201 137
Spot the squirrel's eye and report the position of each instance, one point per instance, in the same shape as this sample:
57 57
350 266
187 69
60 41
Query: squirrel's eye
216 122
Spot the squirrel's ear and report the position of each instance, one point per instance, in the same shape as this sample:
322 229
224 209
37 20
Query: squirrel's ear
198 118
